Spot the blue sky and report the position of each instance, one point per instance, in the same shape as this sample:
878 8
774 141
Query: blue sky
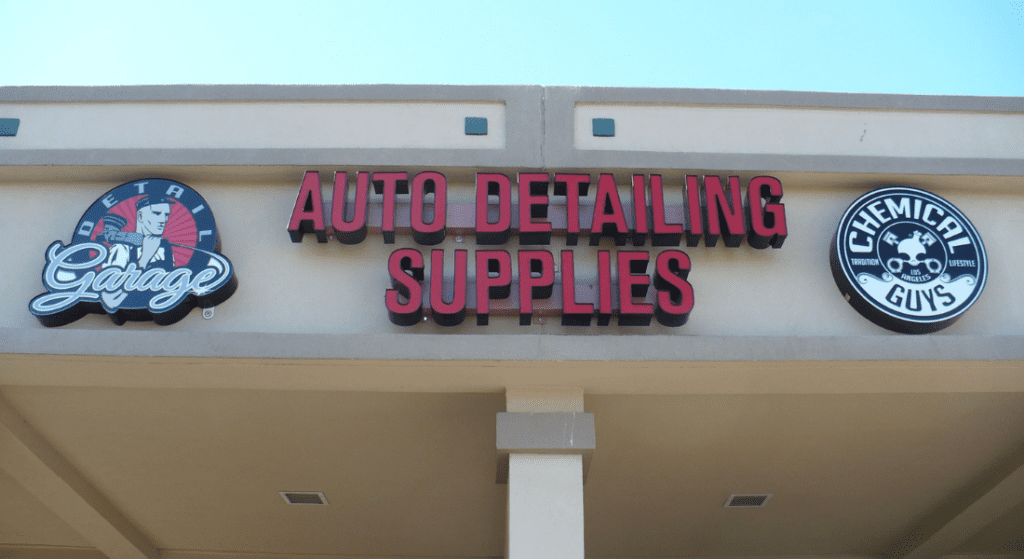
937 47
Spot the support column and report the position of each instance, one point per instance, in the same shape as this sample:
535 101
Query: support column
545 442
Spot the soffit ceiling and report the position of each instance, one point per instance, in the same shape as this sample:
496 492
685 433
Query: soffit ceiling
26 521
412 474
1003 536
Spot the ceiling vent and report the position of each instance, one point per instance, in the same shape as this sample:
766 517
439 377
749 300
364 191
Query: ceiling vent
736 501
304 497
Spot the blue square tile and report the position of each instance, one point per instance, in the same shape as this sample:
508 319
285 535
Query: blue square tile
476 126
9 126
604 127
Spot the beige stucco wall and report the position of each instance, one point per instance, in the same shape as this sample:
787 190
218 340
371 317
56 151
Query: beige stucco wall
245 149
803 131
334 288
277 124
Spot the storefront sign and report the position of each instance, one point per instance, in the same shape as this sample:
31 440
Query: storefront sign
146 250
536 281
908 260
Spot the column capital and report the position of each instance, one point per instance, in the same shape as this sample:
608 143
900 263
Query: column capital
544 433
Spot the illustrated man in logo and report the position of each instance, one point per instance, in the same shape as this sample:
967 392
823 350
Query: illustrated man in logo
132 267
145 248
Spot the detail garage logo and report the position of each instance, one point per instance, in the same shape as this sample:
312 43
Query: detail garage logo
908 260
146 250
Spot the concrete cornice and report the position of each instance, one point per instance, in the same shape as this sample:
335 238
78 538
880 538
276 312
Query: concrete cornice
809 99
540 130
403 92
260 92
526 347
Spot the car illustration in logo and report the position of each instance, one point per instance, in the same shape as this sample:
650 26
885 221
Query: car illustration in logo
908 260
146 250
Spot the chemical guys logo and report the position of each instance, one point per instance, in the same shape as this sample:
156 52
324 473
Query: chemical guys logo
908 260
146 250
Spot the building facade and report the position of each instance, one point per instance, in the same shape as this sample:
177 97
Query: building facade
650 320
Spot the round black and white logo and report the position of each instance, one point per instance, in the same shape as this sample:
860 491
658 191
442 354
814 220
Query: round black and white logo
908 260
